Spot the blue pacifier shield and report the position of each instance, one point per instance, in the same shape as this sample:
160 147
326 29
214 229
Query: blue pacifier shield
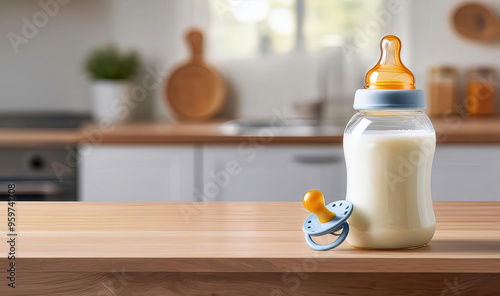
312 226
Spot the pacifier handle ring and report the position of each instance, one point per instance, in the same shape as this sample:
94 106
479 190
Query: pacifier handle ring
333 233
339 228
341 237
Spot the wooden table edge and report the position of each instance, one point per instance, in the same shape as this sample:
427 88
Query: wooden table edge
221 265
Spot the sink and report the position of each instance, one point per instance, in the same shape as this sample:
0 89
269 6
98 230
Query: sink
290 127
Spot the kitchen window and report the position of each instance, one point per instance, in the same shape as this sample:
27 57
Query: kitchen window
240 28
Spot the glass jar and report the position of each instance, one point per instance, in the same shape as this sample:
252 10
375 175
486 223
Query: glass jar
389 157
481 91
442 97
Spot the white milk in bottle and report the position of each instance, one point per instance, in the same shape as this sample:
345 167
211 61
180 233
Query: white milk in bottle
389 147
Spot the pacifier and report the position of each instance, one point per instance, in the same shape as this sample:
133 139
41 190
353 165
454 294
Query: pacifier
328 219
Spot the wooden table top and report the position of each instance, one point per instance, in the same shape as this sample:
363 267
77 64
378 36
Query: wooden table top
232 237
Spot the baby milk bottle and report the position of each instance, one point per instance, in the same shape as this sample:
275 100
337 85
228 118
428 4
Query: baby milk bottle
389 146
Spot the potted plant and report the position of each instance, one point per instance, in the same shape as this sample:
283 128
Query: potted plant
111 71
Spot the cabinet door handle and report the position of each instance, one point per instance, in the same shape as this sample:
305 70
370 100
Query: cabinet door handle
318 159
37 188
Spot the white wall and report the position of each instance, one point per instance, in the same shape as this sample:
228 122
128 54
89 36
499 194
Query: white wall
154 28
260 86
47 72
435 42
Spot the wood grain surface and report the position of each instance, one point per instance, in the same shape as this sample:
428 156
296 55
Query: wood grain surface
238 249
226 237
123 283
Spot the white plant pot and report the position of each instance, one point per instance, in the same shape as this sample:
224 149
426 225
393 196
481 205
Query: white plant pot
110 100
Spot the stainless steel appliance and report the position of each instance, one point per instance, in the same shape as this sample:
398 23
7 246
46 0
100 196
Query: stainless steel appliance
40 173
37 174
43 120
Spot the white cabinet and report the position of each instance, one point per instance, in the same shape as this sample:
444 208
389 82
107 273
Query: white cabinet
466 173
271 173
262 173
136 173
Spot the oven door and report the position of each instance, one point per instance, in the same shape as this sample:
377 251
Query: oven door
40 190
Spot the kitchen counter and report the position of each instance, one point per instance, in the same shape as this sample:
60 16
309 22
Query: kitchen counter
238 249
449 131
455 130
39 137
202 133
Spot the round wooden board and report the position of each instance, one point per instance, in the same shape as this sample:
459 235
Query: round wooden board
476 21
195 90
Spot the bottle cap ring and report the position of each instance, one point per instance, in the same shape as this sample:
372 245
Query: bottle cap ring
387 99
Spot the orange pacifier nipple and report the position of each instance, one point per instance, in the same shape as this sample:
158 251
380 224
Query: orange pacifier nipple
390 73
314 202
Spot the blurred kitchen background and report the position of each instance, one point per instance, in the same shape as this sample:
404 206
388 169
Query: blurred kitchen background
102 101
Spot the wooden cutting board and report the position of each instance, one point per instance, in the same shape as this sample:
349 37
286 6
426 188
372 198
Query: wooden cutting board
476 21
195 90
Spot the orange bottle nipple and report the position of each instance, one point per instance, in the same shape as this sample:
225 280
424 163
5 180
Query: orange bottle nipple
390 73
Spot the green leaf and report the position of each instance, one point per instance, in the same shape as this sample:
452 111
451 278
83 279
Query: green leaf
108 62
